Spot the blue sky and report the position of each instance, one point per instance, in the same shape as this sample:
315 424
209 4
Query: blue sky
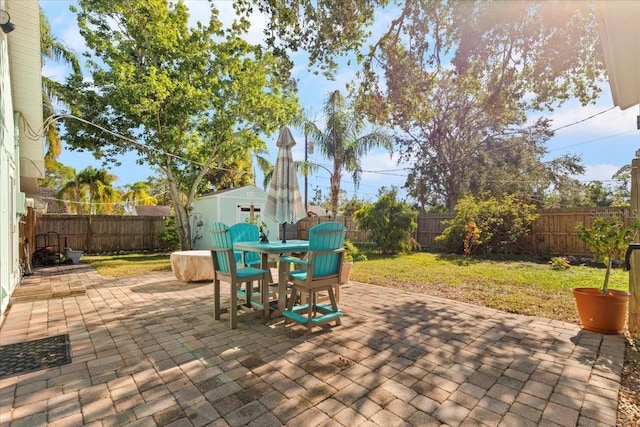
605 142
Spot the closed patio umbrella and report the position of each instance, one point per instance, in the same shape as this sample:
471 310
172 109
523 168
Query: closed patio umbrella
284 203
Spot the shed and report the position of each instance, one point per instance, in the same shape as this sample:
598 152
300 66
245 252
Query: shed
229 206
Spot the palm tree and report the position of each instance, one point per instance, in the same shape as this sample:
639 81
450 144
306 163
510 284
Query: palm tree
99 185
74 190
88 187
342 144
52 49
138 193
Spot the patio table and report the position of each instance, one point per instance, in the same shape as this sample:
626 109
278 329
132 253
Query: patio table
276 248
192 266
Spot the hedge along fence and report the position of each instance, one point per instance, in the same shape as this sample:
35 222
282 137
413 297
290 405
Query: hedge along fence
102 233
553 233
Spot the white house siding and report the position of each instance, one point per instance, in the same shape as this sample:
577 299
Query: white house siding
8 238
26 85
21 143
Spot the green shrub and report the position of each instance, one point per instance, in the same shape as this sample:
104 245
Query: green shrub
559 263
352 253
501 224
169 236
389 222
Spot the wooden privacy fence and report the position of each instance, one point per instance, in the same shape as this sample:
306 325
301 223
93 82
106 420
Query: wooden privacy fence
101 233
352 233
553 232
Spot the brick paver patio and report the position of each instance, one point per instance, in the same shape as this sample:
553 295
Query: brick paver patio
146 351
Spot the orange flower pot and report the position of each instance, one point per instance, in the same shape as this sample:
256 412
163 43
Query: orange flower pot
605 314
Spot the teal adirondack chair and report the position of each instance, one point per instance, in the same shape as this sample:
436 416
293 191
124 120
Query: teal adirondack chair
320 271
246 232
226 269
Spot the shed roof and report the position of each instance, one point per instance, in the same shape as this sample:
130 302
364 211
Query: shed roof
140 210
232 190
48 196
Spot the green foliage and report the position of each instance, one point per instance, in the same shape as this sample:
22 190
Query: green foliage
169 236
452 76
90 190
192 101
56 175
559 263
471 238
352 253
390 222
342 143
607 239
501 222
349 207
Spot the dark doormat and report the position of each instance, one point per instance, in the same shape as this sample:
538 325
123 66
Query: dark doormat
31 356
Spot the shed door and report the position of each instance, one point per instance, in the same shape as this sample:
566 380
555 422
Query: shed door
244 213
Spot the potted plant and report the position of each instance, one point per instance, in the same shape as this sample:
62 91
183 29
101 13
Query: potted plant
263 232
604 310
351 253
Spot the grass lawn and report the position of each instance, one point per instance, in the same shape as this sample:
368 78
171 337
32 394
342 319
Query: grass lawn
128 264
516 286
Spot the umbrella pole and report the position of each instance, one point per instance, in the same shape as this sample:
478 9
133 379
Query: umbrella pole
284 232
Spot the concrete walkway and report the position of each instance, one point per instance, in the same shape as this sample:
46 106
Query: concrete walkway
146 351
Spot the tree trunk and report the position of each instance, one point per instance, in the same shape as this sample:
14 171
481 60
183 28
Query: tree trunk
182 218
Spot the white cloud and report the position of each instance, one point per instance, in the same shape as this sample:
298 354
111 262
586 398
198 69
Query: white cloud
608 123
599 172
55 71
71 36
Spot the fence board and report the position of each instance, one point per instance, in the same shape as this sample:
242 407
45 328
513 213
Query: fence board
553 232
107 232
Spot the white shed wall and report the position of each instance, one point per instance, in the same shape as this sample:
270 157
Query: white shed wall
230 207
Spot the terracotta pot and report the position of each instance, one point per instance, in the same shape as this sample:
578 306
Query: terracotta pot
346 270
605 314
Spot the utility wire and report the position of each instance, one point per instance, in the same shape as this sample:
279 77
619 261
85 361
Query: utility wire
583 120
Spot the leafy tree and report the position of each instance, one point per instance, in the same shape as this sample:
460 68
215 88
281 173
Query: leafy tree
390 222
186 100
159 188
548 50
52 92
459 147
571 193
498 223
598 194
342 143
457 78
566 193
56 175
90 190
622 190
349 207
